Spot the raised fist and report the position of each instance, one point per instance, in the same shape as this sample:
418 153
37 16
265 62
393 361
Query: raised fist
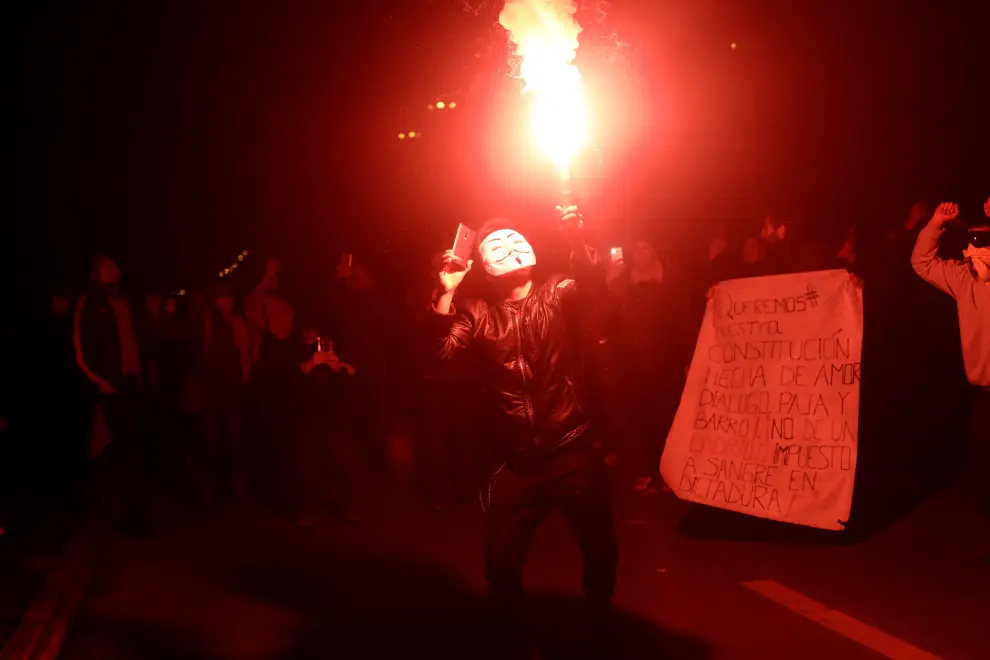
946 212
570 218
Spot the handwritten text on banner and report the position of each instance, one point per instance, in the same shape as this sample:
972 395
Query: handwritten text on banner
768 421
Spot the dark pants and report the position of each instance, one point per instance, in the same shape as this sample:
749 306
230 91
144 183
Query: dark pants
325 466
267 436
119 477
978 450
652 398
220 465
519 497
170 439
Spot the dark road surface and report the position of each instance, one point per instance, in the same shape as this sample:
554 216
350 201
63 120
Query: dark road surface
407 582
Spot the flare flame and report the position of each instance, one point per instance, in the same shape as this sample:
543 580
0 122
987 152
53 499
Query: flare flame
545 34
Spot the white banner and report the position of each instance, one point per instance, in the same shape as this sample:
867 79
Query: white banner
768 421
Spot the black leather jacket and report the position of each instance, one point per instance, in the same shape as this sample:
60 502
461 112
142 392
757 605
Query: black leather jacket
523 346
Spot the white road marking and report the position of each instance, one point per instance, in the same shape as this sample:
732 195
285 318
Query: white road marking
877 640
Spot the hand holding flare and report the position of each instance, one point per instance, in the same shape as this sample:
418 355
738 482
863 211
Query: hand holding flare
571 221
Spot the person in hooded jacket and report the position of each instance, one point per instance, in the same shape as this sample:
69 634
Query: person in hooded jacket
967 280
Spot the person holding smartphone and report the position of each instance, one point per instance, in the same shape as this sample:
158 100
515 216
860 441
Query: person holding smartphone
968 282
324 458
551 456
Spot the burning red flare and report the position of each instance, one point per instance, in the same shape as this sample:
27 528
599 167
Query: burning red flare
545 33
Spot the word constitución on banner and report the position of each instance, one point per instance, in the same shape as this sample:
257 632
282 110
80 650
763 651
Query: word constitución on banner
768 421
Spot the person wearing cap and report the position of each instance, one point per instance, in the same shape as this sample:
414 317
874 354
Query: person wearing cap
552 458
967 280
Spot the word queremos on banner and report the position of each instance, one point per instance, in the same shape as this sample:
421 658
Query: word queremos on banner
769 418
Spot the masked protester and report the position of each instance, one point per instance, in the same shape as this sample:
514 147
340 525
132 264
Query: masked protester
968 282
107 354
553 459
978 252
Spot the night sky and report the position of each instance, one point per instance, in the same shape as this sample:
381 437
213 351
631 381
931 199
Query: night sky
174 134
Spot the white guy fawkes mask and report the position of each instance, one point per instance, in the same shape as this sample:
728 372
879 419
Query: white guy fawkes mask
505 251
